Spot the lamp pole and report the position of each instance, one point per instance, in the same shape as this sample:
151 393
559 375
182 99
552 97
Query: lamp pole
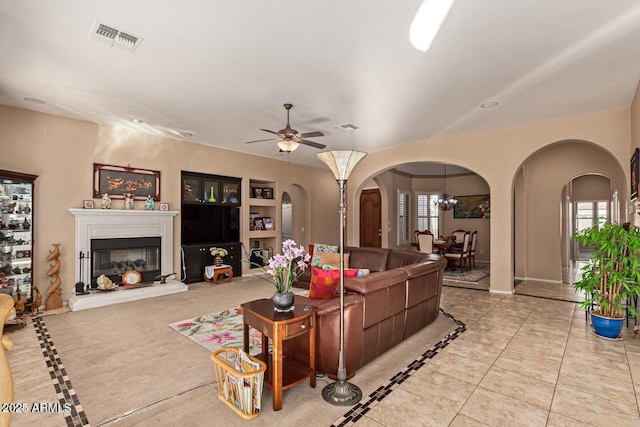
341 392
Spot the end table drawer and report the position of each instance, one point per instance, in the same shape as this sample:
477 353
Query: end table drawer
299 327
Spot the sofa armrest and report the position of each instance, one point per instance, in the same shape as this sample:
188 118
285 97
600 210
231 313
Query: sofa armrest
425 267
373 282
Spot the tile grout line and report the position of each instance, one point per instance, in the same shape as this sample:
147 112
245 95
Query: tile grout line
360 409
61 383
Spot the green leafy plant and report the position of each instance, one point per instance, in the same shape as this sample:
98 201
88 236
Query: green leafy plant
613 274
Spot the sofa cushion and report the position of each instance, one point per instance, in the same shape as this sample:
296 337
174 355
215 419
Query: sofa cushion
323 283
332 259
372 259
319 248
400 258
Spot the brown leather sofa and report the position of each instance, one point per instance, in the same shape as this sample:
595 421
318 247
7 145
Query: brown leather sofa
399 296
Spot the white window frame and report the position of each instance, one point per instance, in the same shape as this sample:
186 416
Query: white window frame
428 218
404 217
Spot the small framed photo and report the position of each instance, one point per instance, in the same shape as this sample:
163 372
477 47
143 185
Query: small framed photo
257 193
258 224
267 193
164 206
268 223
87 204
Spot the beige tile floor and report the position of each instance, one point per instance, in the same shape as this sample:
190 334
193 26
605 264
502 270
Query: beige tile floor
523 360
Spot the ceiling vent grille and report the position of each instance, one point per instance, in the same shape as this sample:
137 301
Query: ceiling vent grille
347 127
115 37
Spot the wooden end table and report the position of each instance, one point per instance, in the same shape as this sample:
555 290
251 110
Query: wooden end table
282 373
218 273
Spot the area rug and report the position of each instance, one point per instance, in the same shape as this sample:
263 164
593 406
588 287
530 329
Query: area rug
480 272
223 329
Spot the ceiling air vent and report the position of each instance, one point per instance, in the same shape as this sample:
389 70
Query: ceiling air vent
347 127
115 37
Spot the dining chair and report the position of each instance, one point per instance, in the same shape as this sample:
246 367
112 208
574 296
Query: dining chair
458 236
425 241
472 249
460 257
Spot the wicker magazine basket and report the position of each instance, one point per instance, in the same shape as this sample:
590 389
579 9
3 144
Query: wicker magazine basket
240 378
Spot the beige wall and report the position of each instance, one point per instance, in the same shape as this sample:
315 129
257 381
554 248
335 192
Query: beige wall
497 156
62 152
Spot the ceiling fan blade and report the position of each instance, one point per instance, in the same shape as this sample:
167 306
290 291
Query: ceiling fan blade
312 144
270 131
311 134
261 140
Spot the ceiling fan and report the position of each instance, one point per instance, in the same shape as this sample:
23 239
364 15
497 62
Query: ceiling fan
291 138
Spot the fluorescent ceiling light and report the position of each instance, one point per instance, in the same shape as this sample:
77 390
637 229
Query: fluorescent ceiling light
427 22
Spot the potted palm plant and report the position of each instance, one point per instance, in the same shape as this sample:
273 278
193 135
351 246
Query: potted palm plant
612 276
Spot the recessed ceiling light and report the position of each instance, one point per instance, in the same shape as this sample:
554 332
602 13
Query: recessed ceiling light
34 100
489 105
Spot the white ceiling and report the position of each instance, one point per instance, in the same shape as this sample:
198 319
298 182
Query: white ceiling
223 70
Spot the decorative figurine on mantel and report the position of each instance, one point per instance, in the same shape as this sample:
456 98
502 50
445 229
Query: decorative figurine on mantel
149 204
128 201
106 201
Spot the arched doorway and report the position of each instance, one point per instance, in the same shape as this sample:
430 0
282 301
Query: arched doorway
544 212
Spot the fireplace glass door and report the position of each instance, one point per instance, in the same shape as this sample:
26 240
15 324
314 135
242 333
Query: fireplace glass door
114 257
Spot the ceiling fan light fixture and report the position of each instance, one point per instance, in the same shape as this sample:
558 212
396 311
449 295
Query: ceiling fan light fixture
427 22
288 146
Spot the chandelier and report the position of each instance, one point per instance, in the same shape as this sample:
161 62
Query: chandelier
445 202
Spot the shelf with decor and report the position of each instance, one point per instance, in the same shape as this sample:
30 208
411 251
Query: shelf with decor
263 234
210 217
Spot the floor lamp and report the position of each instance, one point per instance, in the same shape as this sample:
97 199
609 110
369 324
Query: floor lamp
341 164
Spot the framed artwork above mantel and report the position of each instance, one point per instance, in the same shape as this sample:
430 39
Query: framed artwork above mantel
117 181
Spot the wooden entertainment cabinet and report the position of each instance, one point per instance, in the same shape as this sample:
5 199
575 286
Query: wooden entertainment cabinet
210 217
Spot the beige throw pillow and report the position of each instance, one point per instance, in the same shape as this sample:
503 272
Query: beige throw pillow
333 260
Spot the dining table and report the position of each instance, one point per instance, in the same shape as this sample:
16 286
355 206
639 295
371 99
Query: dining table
443 246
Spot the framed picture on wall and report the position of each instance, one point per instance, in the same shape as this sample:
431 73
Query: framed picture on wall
472 207
635 164
116 181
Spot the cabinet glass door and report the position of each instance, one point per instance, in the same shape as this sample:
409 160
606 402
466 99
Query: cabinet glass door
211 191
230 193
191 190
16 222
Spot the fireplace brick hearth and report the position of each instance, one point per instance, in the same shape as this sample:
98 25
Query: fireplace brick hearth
115 224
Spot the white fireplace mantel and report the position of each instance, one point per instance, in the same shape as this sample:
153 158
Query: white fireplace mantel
114 224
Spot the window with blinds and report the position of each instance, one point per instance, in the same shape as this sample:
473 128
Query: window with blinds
404 236
428 215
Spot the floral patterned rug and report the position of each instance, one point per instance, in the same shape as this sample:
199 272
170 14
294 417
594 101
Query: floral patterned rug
219 330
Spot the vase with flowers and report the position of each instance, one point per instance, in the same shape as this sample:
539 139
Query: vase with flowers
284 268
217 254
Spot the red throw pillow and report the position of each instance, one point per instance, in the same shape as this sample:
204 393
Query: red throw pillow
323 283
350 272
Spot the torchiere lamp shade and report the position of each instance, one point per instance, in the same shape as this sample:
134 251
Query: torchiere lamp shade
341 163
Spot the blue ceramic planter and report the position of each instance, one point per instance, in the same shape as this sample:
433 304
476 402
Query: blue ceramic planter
606 327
